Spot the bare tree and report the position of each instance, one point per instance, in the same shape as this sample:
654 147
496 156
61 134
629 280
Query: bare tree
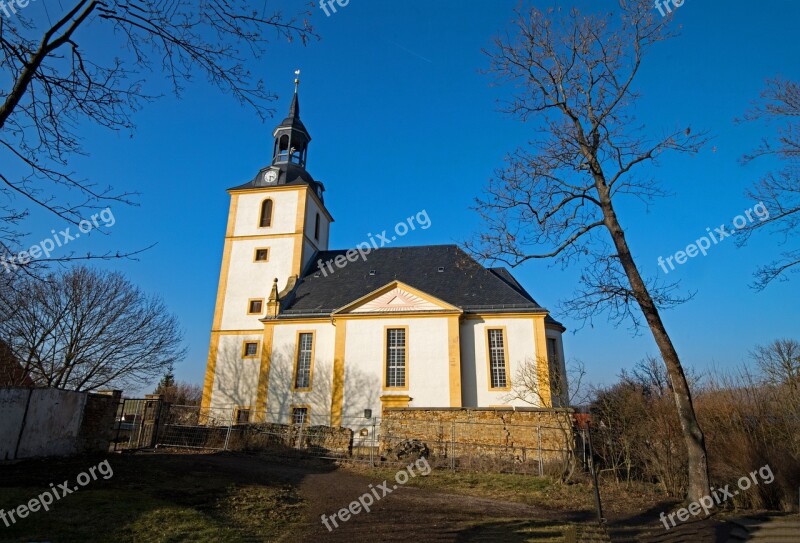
557 198
779 362
58 82
178 392
85 329
779 190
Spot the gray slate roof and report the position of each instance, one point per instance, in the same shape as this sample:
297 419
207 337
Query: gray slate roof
463 282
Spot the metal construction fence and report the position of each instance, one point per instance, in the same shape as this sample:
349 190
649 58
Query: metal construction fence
500 447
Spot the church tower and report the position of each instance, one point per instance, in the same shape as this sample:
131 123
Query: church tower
276 223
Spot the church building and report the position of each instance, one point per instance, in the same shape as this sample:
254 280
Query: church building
296 339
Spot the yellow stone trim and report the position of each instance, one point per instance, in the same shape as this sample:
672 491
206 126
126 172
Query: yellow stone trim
261 237
297 360
389 401
542 362
211 367
263 374
386 353
238 332
337 386
226 264
300 224
391 286
454 360
255 255
399 315
299 320
489 358
482 316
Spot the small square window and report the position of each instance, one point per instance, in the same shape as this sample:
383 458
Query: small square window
242 416
299 415
255 307
262 255
250 349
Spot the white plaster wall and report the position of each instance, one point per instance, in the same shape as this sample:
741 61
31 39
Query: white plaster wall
428 369
555 334
236 378
248 279
521 349
324 225
281 397
284 212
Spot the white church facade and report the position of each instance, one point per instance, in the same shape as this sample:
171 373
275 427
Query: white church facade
295 339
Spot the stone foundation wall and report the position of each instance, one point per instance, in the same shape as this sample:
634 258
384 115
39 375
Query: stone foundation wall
522 434
314 439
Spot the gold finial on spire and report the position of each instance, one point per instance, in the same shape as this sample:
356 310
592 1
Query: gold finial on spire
296 80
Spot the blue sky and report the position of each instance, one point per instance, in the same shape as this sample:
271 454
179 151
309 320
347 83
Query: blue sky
402 119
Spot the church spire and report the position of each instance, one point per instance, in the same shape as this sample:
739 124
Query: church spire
291 136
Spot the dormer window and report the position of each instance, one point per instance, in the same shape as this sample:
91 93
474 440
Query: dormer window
265 220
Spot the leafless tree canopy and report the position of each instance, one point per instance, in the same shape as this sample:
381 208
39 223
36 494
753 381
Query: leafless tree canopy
779 190
575 77
779 362
54 82
86 330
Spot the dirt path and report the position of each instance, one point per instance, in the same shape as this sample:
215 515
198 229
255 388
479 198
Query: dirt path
406 514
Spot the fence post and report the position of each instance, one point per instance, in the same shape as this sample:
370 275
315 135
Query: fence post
453 448
230 427
541 460
372 445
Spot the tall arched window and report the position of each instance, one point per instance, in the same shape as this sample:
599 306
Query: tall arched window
266 214
316 228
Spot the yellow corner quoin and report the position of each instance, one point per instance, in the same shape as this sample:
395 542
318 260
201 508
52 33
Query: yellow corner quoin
208 385
542 363
337 388
263 374
454 359
302 203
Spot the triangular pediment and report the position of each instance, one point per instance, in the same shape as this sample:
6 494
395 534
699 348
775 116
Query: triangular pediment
397 297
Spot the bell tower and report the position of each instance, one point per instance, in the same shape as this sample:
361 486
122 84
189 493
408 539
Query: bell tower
276 223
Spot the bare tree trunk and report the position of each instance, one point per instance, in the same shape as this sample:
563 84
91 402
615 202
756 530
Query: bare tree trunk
692 433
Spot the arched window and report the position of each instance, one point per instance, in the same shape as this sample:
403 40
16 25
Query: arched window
316 228
266 214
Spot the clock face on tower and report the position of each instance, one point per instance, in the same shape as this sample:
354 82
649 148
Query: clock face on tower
270 177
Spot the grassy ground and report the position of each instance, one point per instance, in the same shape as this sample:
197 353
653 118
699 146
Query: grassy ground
619 500
149 499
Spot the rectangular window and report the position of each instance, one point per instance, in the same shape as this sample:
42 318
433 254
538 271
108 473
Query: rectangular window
396 358
552 353
497 359
299 415
305 352
250 349
242 416
262 255
255 307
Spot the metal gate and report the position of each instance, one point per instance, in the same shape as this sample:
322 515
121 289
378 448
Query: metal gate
137 424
